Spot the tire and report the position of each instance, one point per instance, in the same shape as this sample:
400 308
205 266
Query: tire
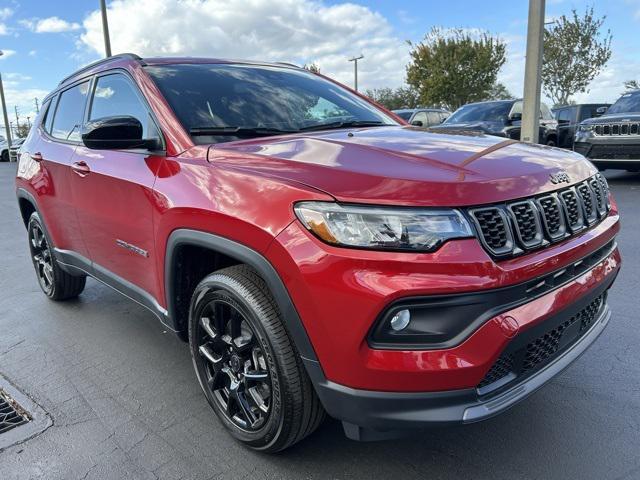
246 363
551 142
54 282
5 156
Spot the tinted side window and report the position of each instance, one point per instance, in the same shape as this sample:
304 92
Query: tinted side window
69 113
421 117
114 95
434 118
47 118
564 114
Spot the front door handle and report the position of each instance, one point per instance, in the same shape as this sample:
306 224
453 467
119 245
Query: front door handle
36 157
81 168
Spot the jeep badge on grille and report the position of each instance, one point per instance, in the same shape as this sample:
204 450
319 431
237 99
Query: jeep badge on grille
561 177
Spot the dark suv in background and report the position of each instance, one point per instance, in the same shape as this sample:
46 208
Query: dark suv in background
570 116
613 140
502 118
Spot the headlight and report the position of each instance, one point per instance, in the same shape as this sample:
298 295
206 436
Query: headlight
382 228
585 128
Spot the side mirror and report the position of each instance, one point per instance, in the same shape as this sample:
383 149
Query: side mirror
113 133
601 111
417 123
515 117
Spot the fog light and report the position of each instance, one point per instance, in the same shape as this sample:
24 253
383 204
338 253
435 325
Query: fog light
400 320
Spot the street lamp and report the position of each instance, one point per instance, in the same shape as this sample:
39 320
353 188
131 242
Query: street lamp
4 110
105 28
355 69
530 129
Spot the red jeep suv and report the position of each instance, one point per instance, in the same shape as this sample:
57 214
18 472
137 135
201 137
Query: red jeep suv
317 253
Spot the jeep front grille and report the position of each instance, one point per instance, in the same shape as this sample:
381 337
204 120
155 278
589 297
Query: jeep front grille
617 129
510 229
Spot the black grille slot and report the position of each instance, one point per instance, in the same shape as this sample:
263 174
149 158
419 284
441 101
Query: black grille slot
494 229
605 188
552 216
601 206
588 203
527 222
532 356
11 415
572 210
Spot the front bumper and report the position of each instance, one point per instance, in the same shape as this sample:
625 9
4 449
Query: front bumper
612 152
371 415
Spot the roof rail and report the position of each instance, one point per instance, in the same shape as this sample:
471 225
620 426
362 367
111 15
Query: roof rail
131 56
287 64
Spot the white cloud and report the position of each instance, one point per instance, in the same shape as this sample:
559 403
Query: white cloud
50 25
5 13
299 31
6 54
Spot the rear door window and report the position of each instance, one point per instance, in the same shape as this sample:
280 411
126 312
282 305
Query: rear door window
69 113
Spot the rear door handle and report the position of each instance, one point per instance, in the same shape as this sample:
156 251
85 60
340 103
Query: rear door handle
37 157
81 168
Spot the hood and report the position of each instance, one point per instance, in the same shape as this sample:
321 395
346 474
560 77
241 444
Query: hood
613 118
406 165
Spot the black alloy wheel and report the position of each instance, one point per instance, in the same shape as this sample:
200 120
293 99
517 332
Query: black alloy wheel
41 257
236 369
248 367
56 283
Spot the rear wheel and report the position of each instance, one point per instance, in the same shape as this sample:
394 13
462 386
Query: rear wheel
55 282
5 156
247 366
551 142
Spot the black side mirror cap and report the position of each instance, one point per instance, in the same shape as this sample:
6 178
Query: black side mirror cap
113 133
515 117
417 123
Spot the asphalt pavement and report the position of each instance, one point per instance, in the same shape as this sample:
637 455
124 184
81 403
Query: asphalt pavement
125 402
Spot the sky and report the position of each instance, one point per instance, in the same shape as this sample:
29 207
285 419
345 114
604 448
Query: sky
45 40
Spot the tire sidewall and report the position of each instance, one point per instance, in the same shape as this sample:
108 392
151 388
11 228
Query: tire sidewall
221 286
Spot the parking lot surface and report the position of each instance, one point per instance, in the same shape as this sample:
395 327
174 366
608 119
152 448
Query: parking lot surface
125 402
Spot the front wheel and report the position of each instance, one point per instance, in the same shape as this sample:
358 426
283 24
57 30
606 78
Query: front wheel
247 365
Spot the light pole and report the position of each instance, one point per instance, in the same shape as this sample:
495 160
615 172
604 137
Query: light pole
7 127
105 28
355 69
530 130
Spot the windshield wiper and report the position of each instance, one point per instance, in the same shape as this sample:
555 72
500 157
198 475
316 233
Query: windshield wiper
345 124
247 132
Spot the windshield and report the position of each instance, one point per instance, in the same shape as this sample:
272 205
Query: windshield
214 101
481 112
629 102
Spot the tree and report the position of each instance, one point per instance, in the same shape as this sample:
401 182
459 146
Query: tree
312 67
575 52
499 92
630 85
401 97
22 130
452 67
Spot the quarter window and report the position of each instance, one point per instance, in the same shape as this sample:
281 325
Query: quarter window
69 113
114 95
